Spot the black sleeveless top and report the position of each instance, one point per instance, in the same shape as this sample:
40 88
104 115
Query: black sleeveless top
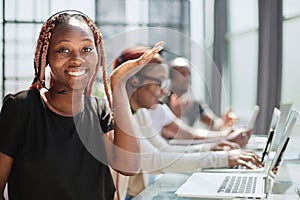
55 157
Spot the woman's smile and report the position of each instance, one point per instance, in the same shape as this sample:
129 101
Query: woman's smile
77 73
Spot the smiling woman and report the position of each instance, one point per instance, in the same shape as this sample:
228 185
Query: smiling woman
65 139
72 56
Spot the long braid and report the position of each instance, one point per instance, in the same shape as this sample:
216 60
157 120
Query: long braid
105 83
102 59
44 54
40 60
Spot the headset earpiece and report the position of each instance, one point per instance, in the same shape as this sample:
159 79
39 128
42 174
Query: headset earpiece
135 81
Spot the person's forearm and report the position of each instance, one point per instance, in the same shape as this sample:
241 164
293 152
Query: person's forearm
126 146
182 162
208 134
188 132
179 130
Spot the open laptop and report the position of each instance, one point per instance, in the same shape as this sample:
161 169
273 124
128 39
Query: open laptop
250 126
258 142
253 118
271 134
238 185
285 111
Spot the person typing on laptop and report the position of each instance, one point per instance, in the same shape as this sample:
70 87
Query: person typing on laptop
144 90
187 108
240 185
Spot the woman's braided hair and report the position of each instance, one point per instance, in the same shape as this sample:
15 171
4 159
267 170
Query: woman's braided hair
43 42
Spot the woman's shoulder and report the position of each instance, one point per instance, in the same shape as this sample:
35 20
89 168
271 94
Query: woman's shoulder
24 95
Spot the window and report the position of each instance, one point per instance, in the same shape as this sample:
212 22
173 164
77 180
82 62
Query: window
240 75
131 22
21 28
291 48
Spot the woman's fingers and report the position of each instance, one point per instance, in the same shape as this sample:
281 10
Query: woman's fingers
131 67
137 63
148 55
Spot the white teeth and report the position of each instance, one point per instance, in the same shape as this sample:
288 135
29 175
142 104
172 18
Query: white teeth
77 73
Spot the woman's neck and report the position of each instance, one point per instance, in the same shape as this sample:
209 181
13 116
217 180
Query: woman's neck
68 104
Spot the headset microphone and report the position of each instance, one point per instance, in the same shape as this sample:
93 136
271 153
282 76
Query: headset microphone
59 92
50 90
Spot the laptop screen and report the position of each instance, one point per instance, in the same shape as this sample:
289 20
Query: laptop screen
272 164
271 134
285 111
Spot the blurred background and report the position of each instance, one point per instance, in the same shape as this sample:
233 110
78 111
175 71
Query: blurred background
242 52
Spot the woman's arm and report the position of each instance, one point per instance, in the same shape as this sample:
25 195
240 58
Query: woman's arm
125 145
179 130
5 166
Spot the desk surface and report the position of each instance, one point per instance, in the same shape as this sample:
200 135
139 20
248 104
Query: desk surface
284 187
286 181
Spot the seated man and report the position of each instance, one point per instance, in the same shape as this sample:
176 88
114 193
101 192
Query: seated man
186 108
145 89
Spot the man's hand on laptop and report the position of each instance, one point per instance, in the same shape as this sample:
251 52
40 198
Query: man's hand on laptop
240 136
239 157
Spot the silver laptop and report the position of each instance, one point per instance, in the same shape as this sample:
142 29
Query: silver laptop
238 185
272 133
266 150
252 120
285 111
258 142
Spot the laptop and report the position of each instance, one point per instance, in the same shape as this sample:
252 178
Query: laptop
258 142
285 111
252 120
267 149
250 126
272 133
238 185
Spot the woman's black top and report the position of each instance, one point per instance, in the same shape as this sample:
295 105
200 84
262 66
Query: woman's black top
55 157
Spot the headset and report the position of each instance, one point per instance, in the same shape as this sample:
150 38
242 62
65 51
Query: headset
135 81
69 12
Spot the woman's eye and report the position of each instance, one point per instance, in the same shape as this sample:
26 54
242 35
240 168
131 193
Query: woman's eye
63 50
87 49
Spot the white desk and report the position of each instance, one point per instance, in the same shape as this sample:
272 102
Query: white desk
286 181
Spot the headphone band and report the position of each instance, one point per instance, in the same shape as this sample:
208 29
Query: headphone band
68 12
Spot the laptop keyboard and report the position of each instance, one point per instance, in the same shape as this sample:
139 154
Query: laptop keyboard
238 184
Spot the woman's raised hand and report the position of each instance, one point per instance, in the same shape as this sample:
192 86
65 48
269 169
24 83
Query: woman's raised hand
131 67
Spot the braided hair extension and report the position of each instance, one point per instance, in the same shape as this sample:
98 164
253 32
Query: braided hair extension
42 47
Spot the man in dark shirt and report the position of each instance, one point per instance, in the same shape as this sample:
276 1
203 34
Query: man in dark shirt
186 108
